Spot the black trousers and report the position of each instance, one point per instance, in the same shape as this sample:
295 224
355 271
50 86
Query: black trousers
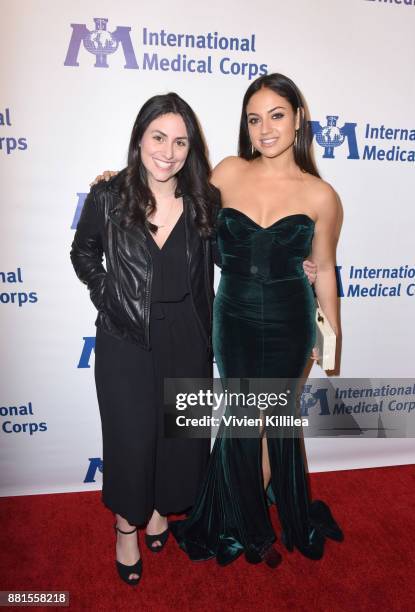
143 470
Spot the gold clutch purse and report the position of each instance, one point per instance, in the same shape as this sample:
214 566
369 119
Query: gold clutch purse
325 340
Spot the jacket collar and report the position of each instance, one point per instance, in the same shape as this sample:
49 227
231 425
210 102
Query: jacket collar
114 212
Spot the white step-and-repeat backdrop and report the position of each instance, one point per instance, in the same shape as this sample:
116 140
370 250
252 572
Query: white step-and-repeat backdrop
73 76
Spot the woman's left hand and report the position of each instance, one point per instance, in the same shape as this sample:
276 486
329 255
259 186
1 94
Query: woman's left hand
314 354
310 270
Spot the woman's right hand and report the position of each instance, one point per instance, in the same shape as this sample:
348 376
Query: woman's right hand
105 176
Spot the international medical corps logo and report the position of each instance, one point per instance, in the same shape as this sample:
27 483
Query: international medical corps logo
313 398
164 50
382 142
101 43
331 136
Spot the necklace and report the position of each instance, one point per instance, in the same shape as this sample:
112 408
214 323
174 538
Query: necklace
161 225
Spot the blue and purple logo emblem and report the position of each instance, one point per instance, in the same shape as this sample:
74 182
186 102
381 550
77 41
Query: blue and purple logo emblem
101 43
331 136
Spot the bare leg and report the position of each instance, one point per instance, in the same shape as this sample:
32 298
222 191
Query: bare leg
266 468
157 524
127 550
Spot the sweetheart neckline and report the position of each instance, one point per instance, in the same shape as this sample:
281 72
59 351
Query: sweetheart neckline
272 224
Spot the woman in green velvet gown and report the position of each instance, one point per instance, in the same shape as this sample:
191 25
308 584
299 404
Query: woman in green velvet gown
276 211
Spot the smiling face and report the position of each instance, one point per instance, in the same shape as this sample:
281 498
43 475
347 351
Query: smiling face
164 147
272 123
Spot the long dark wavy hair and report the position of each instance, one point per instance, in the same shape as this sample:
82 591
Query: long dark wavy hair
138 201
286 88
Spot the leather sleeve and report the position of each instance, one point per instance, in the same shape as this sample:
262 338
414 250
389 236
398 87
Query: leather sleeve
87 251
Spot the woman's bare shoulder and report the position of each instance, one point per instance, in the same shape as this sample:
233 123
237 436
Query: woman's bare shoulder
227 169
318 189
323 197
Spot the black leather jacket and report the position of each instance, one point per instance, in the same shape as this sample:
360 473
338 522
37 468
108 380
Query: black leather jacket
122 290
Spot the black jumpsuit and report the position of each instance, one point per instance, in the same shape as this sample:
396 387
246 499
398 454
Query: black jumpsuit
143 470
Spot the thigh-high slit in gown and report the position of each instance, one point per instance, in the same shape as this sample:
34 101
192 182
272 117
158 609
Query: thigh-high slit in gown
264 327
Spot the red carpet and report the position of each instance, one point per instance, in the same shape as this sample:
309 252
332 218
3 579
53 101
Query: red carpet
66 542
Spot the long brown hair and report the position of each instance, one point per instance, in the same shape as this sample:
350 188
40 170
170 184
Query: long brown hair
138 201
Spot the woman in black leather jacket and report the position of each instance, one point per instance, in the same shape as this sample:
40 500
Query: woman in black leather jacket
153 224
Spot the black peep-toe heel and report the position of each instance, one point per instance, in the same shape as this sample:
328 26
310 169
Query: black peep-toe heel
124 571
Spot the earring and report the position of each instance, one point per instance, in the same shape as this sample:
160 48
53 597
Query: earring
295 139
252 150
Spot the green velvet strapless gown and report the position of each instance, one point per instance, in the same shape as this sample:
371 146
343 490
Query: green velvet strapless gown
263 327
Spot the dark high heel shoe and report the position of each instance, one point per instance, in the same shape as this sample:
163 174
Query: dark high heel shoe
272 557
322 519
161 537
268 553
124 571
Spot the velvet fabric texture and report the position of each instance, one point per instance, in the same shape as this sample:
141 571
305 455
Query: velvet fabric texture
263 327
